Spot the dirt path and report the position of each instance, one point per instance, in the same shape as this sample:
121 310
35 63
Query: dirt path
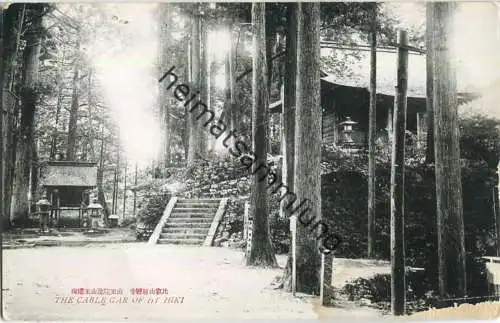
212 282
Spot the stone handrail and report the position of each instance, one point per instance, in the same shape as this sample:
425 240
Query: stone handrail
215 223
159 227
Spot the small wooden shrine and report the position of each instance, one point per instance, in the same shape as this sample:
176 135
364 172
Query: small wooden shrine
68 185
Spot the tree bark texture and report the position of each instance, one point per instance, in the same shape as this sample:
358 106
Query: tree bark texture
261 252
429 35
100 189
12 25
204 84
60 88
307 162
398 284
164 36
288 114
194 147
372 130
73 114
228 98
270 50
29 96
450 222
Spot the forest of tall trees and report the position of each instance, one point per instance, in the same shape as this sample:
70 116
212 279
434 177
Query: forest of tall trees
55 106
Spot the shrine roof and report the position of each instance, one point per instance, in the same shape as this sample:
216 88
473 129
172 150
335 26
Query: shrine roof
68 173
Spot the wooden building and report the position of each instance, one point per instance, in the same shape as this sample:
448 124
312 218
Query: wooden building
68 185
343 97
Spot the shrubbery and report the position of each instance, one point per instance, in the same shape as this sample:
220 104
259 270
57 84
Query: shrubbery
344 194
150 214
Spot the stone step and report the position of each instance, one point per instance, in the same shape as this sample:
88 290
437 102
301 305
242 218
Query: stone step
185 230
190 220
204 200
213 206
182 236
197 225
194 210
191 215
181 241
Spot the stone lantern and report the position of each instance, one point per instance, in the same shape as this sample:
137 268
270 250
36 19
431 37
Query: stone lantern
347 129
44 211
95 214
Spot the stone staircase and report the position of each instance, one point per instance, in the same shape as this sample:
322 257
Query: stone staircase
189 221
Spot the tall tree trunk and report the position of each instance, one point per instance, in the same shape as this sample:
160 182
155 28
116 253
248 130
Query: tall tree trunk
87 147
12 25
33 175
229 104
114 206
165 26
2 158
372 130
60 88
166 133
235 112
429 35
135 190
187 119
100 179
204 84
270 50
25 144
398 285
194 148
288 114
73 114
124 191
261 251
450 222
307 173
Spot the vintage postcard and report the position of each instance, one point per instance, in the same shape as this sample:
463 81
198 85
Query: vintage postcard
250 160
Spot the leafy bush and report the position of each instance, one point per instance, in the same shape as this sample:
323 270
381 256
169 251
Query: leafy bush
376 289
149 216
421 289
480 139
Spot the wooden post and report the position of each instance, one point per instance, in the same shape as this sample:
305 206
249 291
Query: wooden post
419 130
429 35
322 279
135 191
398 286
124 190
326 290
245 220
293 230
371 132
249 229
281 116
3 216
114 205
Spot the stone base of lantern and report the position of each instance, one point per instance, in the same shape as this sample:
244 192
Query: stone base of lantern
44 221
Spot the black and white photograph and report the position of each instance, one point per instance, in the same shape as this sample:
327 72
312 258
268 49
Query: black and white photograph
250 160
